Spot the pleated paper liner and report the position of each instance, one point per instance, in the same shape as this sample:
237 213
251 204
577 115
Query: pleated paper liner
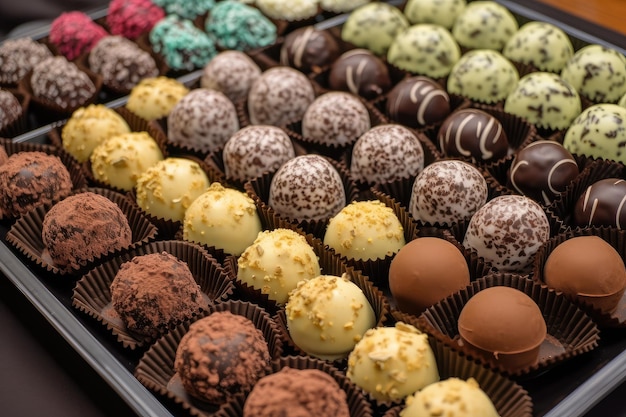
570 332
25 235
617 239
259 190
156 372
79 182
19 125
92 293
358 404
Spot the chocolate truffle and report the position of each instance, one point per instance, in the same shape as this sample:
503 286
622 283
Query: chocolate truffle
390 363
18 56
602 204
10 109
82 228
307 187
335 118
503 325
417 101
232 73
327 315
32 179
154 98
386 153
365 230
3 155
203 119
507 232
447 192
542 170
276 262
360 72
279 96
296 392
484 25
75 33
587 268
132 18
309 49
254 150
294 10
154 292
239 26
439 12
220 355
474 134
425 271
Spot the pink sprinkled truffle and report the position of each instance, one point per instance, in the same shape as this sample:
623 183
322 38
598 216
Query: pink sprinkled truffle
132 18
74 33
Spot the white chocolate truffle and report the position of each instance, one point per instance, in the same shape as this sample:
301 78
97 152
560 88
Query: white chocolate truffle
288 10
231 72
341 6
544 99
597 73
483 75
452 396
276 262
484 25
90 126
425 49
327 315
167 189
365 230
392 362
224 218
121 159
154 98
438 12
622 101
540 44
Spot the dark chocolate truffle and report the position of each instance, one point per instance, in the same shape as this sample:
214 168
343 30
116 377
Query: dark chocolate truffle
309 49
473 133
417 101
18 56
360 72
542 170
602 204
10 109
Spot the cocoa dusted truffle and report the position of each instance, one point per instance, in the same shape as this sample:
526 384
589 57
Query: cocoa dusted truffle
417 101
309 49
360 72
220 355
602 204
232 73
3 155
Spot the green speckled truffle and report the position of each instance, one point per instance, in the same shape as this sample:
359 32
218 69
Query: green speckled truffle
540 44
341 6
184 46
439 12
290 10
374 27
598 73
600 132
544 99
622 101
240 27
188 9
425 49
484 25
483 75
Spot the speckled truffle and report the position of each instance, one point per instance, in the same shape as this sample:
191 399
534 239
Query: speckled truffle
507 232
238 26
18 56
417 101
602 204
279 96
307 187
203 119
447 192
288 10
484 25
188 9
154 98
386 153
232 73
439 12
309 49
10 109
341 6
360 72
132 18
74 33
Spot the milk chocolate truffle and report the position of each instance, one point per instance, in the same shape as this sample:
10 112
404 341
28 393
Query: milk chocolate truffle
3 155
602 204
447 192
484 25
439 12
587 268
360 72
473 133
296 392
390 363
279 96
10 109
307 187
386 153
327 315
507 232
425 271
18 56
504 325
152 292
335 119
365 230
232 73
256 149
32 179
84 227
154 98
220 355
309 49
417 101
542 170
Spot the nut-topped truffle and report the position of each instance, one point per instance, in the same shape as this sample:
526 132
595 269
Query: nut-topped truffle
154 98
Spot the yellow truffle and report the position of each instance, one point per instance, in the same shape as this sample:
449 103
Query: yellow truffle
154 98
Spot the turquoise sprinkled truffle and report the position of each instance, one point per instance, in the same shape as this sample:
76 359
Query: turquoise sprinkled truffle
238 26
188 9
184 46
